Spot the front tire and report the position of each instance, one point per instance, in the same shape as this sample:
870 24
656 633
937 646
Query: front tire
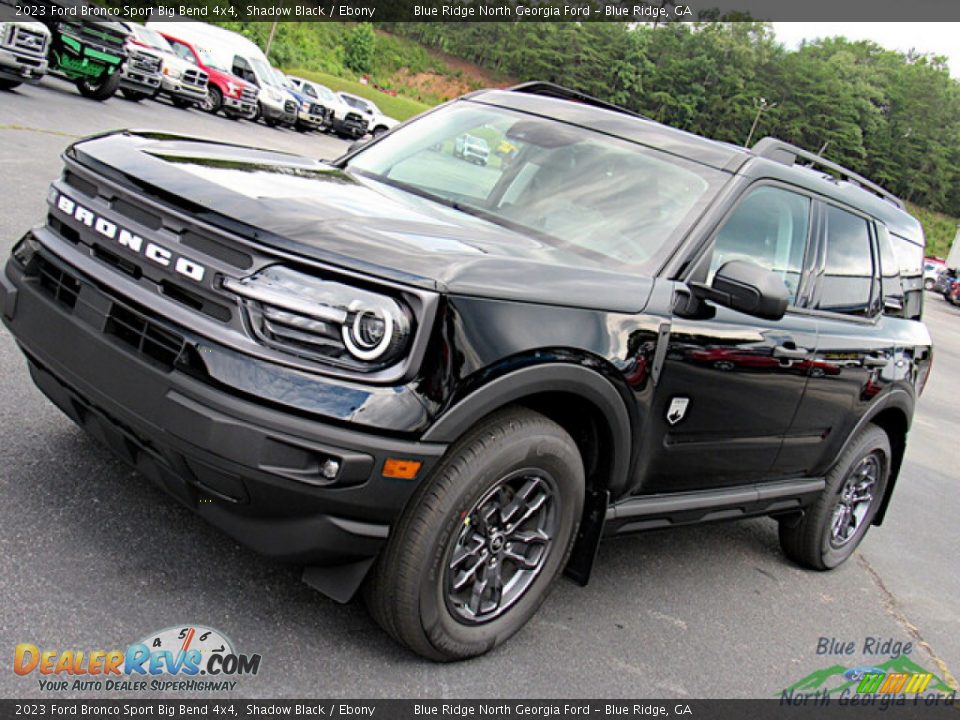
482 540
214 100
133 95
100 89
836 523
9 84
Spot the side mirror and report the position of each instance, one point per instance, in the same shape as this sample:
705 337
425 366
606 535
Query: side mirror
747 288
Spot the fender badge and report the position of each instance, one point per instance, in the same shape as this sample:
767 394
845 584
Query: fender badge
677 410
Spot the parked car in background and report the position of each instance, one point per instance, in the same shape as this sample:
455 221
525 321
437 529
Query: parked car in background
225 91
932 268
181 79
89 54
472 149
951 291
376 120
141 73
243 59
343 119
942 284
311 113
23 53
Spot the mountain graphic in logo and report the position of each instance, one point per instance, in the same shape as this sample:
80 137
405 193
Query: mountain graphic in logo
837 678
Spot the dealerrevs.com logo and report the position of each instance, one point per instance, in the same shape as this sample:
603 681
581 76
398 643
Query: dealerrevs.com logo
187 658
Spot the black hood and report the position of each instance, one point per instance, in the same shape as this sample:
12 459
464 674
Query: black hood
314 209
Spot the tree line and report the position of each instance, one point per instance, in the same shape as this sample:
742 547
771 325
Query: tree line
893 117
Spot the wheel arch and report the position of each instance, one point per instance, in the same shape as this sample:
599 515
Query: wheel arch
582 401
892 414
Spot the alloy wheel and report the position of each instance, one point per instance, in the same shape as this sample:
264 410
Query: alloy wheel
502 546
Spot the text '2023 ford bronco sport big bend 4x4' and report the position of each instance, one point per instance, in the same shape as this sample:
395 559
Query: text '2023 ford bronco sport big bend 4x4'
444 382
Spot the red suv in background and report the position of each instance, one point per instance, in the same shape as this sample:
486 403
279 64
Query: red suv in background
225 91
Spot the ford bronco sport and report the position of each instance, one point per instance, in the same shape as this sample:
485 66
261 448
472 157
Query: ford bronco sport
444 383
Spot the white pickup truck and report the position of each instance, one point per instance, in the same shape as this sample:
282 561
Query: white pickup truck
23 53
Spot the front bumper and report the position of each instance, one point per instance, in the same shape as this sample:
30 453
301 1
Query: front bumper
131 79
21 67
236 106
309 120
277 114
179 90
251 469
350 128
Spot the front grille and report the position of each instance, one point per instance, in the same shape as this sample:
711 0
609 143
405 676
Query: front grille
289 107
353 117
125 321
26 40
318 110
144 62
197 78
97 38
149 340
249 94
58 284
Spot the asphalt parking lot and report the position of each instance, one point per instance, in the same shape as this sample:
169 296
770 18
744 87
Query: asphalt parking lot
95 557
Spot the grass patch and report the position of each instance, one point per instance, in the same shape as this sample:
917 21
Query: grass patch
398 107
939 229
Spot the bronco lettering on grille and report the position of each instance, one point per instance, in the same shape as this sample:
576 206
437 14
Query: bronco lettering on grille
150 250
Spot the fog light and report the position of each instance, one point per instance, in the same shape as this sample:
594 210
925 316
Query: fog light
329 469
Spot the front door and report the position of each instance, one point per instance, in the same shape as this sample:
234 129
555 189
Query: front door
730 385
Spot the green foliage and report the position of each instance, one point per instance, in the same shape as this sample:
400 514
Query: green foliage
397 107
359 48
890 116
939 229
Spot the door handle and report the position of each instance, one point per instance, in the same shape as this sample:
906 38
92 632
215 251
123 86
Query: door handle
790 353
875 361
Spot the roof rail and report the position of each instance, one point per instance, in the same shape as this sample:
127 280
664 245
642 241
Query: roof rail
549 89
787 154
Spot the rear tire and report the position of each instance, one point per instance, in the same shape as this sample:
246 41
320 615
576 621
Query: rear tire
836 523
101 89
482 540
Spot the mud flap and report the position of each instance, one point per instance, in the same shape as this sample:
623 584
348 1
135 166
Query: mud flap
588 537
338 582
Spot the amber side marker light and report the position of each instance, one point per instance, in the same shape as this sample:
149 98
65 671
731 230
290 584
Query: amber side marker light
401 469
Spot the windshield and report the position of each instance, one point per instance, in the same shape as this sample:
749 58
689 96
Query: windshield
612 201
325 93
152 38
353 102
213 58
265 73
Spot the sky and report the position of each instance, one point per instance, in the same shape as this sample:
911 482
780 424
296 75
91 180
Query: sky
936 38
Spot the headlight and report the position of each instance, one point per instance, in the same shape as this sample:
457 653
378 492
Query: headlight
324 319
305 106
172 72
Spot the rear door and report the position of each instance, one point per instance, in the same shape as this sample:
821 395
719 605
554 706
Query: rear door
731 384
858 301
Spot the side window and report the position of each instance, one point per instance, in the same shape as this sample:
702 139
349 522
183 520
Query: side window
241 68
847 283
769 227
889 274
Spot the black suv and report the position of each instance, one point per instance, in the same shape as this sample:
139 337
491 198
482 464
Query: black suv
444 382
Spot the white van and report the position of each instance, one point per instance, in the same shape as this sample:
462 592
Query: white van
247 61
